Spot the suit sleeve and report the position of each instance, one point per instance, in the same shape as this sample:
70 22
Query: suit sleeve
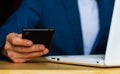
28 15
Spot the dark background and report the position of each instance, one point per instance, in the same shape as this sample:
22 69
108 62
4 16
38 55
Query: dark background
7 7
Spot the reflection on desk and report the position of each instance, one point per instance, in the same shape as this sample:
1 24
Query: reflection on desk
41 66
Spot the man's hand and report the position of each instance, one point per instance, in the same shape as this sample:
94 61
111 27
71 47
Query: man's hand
21 50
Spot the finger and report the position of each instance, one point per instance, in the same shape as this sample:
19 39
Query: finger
15 39
34 48
26 55
46 51
20 35
20 60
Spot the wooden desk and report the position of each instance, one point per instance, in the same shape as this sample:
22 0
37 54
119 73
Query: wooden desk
40 66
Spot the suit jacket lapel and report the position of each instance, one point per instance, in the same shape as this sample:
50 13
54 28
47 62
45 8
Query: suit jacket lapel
74 21
105 13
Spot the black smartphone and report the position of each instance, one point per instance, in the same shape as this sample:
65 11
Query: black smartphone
39 36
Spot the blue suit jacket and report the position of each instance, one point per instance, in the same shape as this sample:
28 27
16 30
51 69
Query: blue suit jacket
63 16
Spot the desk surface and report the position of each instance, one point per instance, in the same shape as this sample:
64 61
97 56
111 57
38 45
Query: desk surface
40 66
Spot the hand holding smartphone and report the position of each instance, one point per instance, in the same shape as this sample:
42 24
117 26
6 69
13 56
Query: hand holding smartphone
39 36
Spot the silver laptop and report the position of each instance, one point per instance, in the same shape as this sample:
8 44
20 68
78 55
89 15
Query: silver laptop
112 55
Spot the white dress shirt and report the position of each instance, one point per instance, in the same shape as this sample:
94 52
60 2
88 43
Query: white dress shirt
88 10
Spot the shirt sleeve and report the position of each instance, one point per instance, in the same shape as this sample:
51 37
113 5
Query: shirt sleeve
27 16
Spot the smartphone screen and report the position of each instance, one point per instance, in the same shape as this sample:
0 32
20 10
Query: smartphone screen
39 36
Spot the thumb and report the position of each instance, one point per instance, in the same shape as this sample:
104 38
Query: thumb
16 39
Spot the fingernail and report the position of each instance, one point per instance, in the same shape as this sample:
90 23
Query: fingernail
42 47
29 42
